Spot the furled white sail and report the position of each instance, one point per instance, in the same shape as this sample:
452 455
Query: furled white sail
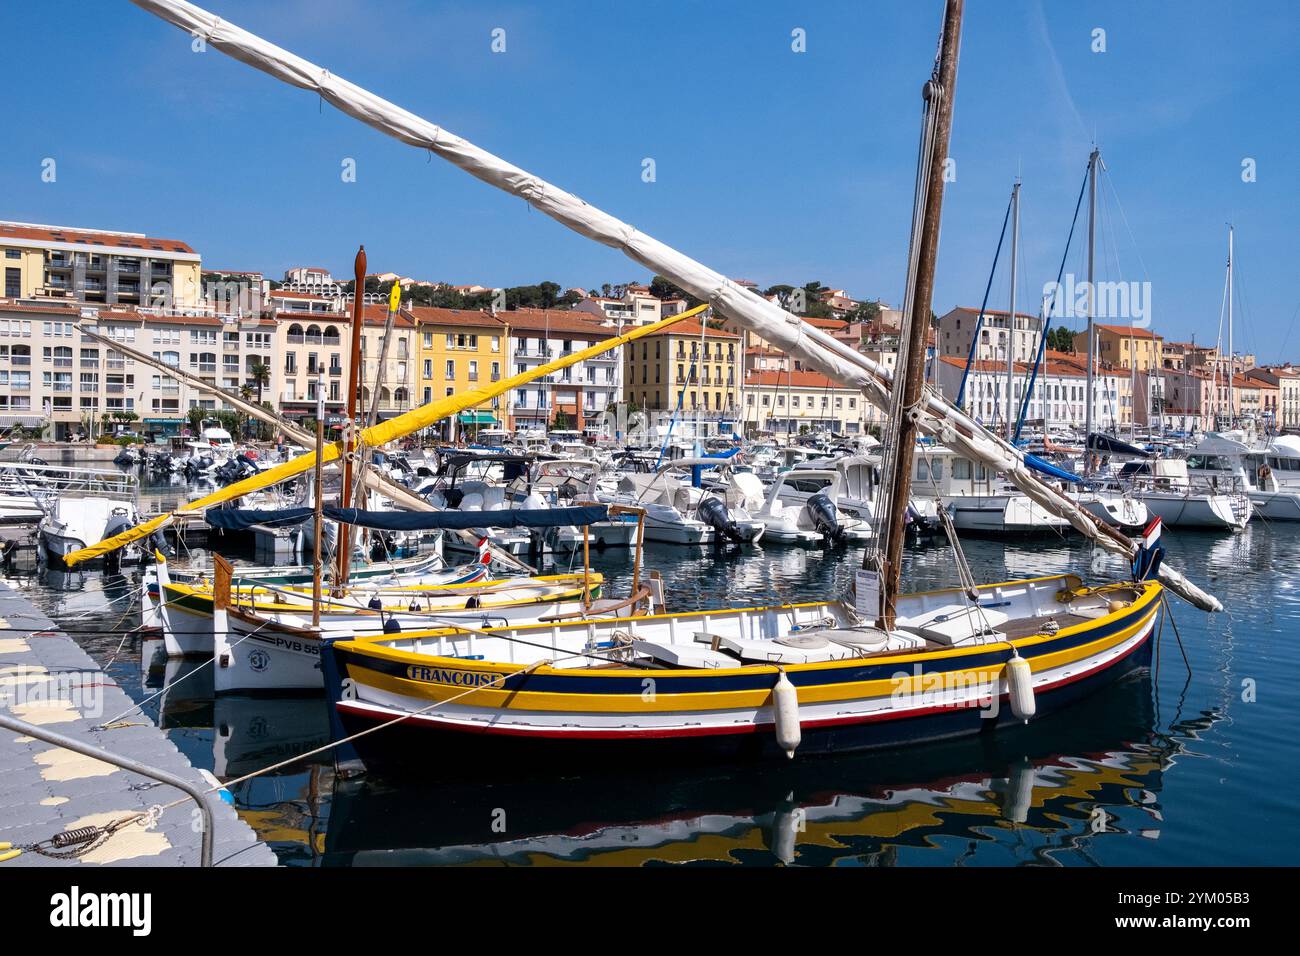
786 331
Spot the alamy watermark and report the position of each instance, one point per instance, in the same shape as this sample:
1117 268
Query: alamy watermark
1072 299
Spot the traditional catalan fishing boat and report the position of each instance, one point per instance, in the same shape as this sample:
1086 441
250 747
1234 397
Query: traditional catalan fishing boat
269 639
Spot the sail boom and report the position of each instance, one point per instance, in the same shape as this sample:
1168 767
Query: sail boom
788 332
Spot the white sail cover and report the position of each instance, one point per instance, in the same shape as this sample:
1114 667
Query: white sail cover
788 332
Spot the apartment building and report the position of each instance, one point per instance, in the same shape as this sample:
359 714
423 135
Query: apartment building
1287 380
697 363
577 394
1123 346
957 330
612 312
459 350
96 266
53 374
799 401
1059 397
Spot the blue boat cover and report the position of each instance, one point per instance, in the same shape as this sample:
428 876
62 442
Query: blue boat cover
1047 468
238 519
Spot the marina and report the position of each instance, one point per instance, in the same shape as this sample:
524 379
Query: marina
1140 774
672 572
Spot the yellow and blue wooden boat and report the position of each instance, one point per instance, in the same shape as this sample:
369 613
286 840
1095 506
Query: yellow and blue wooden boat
750 683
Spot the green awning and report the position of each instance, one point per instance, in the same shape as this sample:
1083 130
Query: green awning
477 418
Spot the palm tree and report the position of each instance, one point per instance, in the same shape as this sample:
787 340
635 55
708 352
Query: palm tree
261 376
246 393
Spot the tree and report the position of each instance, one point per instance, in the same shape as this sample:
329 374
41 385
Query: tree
1060 339
866 312
195 417
562 422
261 376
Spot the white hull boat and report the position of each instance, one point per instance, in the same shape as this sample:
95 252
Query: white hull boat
71 524
1191 510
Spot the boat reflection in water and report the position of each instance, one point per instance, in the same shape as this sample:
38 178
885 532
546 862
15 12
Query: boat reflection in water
1040 794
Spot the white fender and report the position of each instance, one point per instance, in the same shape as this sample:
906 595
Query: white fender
1020 687
1019 794
785 708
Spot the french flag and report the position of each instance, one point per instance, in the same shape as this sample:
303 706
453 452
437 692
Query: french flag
1150 553
1151 536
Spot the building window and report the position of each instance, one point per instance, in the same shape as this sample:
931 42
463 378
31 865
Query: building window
13 283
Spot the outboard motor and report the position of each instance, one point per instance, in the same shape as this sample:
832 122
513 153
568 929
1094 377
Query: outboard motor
825 518
713 512
118 522
159 542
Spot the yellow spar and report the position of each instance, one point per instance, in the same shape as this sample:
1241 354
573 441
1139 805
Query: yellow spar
376 435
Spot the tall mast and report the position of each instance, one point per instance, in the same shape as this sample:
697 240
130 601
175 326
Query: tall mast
908 384
1011 314
318 486
1232 360
1092 307
345 493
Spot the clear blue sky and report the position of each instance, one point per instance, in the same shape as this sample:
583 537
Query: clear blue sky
771 165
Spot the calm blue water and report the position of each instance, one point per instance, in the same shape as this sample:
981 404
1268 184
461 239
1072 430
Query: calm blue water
1165 769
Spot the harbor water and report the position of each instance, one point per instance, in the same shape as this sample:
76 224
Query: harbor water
1194 763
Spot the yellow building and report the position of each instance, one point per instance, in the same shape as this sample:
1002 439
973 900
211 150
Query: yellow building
1123 346
96 266
700 364
457 350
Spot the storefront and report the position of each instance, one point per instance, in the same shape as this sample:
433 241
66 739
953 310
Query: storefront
157 428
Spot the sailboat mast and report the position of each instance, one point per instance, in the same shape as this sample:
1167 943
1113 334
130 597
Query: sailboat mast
1089 383
318 523
344 542
944 86
1011 313
1232 360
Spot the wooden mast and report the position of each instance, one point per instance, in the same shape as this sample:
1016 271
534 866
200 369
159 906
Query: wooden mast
914 366
319 487
345 493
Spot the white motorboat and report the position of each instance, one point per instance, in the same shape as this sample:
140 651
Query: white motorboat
979 501
1164 487
680 513
1270 475
70 524
799 507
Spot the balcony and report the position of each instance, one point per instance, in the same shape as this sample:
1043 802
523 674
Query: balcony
116 363
63 363
336 370
58 263
61 386
17 385
21 359
230 346
90 363
115 388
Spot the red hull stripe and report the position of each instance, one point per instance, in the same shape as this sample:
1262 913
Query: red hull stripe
649 733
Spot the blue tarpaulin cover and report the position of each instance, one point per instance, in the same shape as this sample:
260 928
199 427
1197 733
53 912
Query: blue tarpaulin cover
238 519
1047 468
